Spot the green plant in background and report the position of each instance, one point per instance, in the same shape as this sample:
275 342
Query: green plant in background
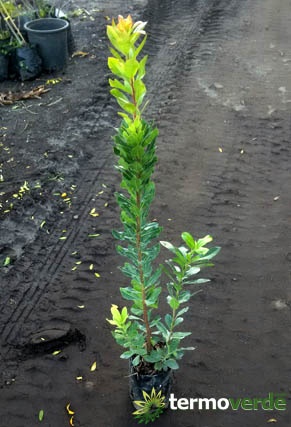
149 339
8 11
150 408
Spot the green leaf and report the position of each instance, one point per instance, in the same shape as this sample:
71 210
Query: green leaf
211 253
178 321
130 68
153 296
136 361
168 320
116 66
7 261
168 246
130 294
118 85
153 357
164 331
188 239
41 415
127 354
181 335
202 242
192 270
120 96
171 363
140 46
173 302
182 311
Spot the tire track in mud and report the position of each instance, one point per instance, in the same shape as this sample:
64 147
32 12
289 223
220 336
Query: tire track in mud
41 273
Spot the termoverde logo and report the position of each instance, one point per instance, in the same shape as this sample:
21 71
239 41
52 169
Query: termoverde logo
273 402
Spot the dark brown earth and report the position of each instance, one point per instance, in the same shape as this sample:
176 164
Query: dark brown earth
219 83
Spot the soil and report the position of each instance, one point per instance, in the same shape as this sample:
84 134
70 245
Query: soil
219 85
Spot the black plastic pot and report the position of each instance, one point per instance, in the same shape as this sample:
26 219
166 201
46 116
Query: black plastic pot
3 67
163 380
25 63
49 35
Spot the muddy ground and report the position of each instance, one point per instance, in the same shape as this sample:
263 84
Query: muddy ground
219 84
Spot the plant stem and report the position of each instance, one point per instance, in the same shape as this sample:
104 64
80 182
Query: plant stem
141 275
136 112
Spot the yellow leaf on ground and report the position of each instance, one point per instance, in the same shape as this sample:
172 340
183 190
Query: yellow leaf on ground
72 421
272 420
69 410
97 275
93 212
93 367
220 149
80 53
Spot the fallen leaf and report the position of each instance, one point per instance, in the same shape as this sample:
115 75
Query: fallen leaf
97 274
78 262
220 149
62 238
93 367
241 151
40 415
106 204
55 353
276 198
69 410
74 268
7 261
93 235
64 195
93 212
8 98
79 378
80 53
272 420
53 81
72 421
80 306
91 267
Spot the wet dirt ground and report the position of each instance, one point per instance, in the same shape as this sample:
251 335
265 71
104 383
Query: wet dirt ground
219 85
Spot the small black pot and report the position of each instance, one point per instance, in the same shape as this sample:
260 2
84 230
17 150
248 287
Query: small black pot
162 380
25 63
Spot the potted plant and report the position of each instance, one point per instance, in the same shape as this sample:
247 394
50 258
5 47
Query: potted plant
4 42
25 62
152 341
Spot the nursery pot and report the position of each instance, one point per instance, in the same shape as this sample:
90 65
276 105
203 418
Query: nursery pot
162 380
49 35
3 67
25 63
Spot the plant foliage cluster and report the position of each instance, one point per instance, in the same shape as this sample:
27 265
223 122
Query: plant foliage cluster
146 336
